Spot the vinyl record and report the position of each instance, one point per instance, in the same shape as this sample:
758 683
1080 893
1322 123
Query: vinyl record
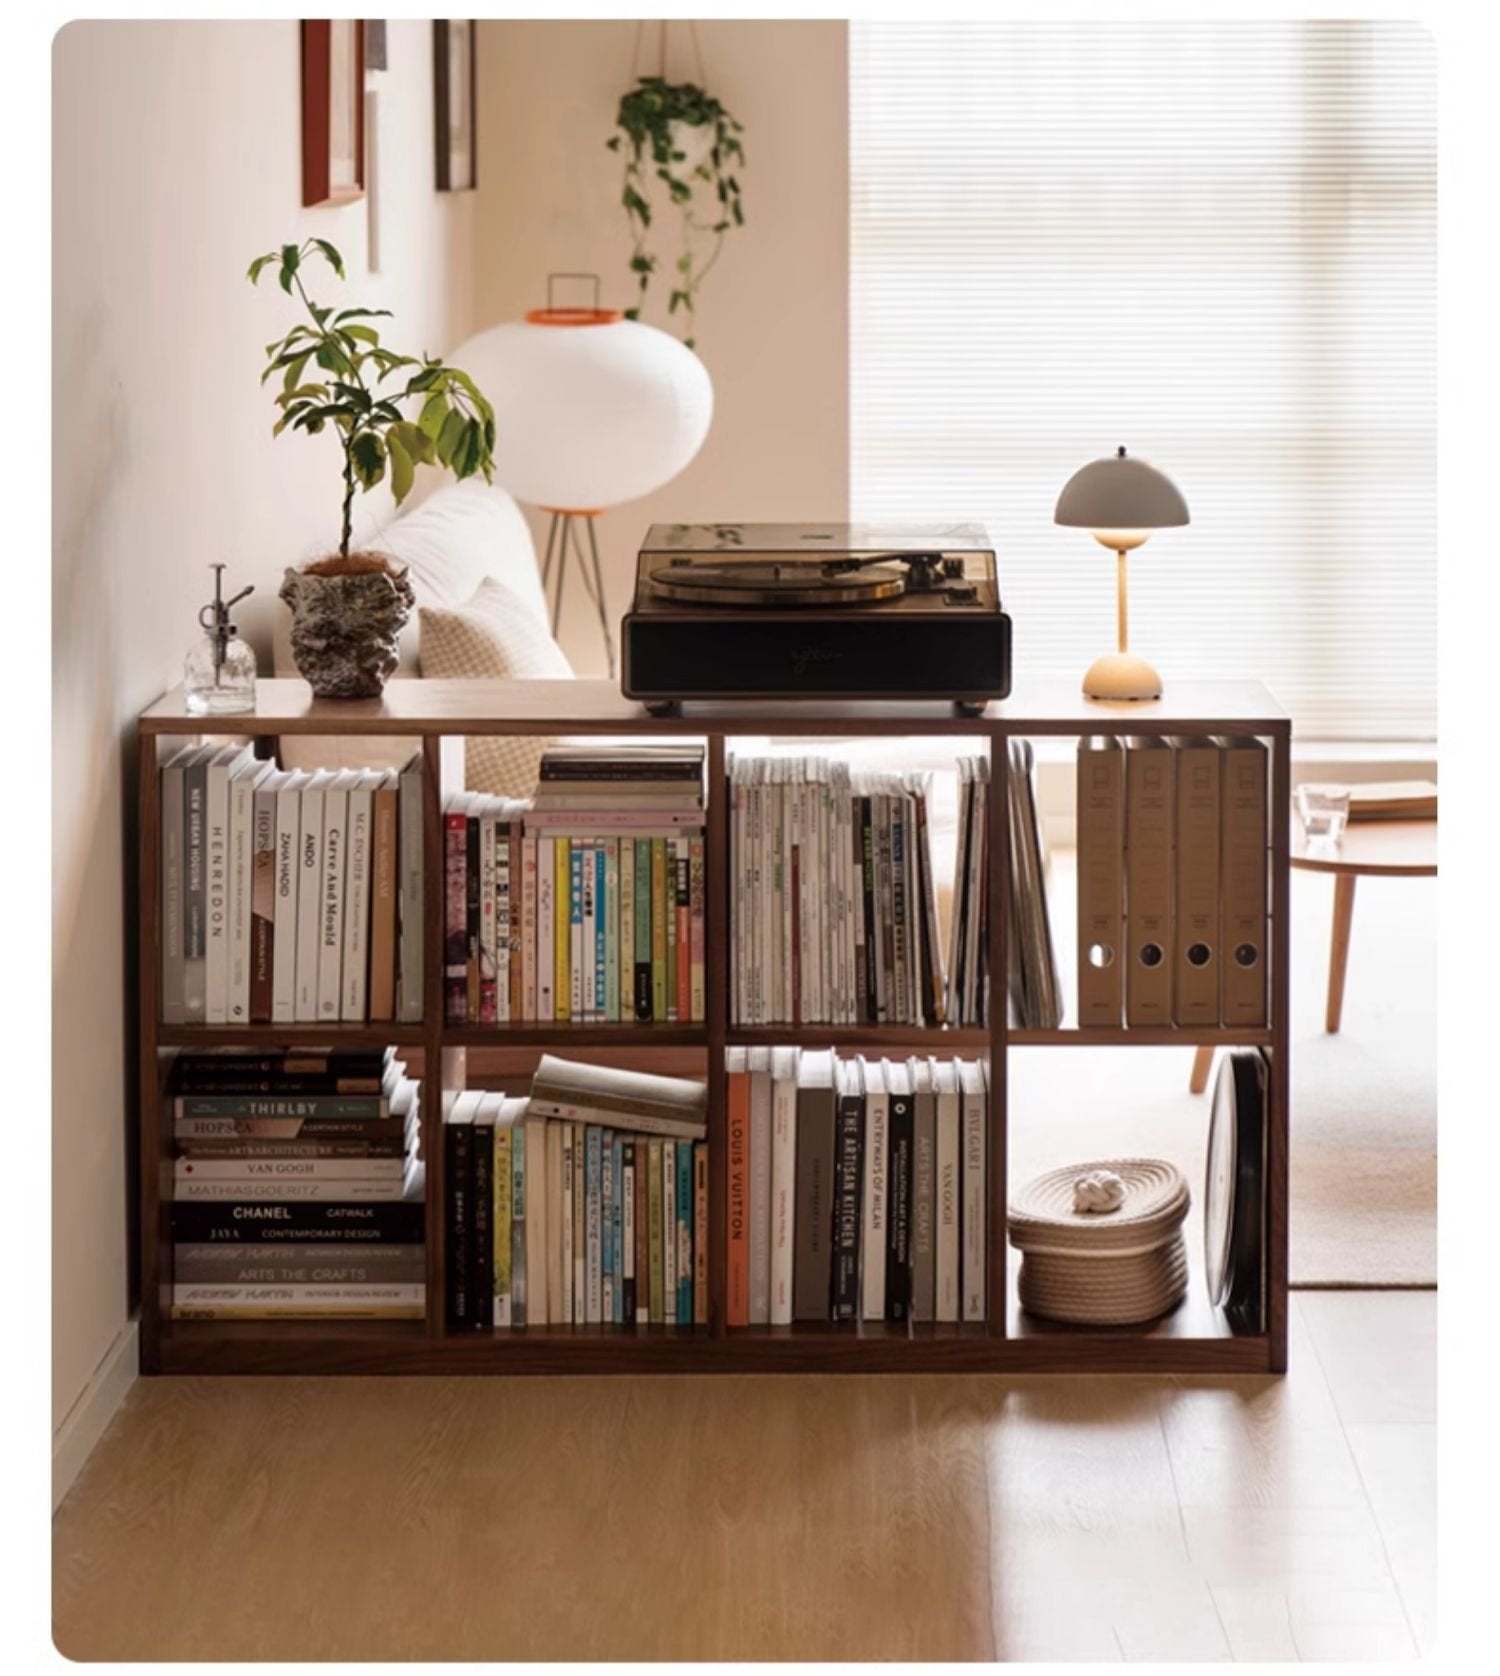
1234 1189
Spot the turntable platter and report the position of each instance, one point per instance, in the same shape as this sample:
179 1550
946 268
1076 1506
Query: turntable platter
774 582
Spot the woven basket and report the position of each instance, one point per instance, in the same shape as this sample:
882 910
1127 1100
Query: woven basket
1102 1268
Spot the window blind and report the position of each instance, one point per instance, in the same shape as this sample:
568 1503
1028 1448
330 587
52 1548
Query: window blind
1211 242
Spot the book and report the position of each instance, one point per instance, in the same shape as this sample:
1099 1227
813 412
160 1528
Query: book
332 891
482 1285
949 1191
685 1233
246 776
226 765
644 999
812 1271
1035 993
238 1263
261 957
593 1188
973 1120
194 913
737 1131
783 1181
924 1193
354 959
628 1266
208 1302
700 1234
310 875
540 1232
410 904
302 1222
901 1119
848 1123
758 1198
384 893
170 792
458 1220
656 1298
285 917
619 1099
669 1232
873 1204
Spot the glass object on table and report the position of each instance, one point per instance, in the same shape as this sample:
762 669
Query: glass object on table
218 674
1324 813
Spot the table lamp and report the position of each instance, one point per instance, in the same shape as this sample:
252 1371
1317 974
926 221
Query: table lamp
1121 500
591 409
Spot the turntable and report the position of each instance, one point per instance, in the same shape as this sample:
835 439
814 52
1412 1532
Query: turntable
849 611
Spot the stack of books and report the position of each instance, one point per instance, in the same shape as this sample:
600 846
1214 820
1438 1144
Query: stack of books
833 904
289 897
584 1204
584 905
856 1188
297 1185
1173 881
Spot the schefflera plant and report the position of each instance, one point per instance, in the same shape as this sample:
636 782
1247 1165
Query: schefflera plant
454 427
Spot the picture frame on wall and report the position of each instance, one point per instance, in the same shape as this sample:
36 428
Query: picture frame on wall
333 111
454 103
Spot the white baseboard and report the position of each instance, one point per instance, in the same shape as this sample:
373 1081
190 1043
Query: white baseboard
83 1425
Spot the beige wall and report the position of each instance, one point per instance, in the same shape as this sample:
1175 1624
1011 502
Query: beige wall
176 158
773 321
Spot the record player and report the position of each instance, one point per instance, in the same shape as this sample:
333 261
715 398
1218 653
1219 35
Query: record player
849 611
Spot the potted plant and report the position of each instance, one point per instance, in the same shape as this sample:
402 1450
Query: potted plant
675 134
349 608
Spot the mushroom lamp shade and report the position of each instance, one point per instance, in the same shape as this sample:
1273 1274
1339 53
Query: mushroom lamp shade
591 409
1121 500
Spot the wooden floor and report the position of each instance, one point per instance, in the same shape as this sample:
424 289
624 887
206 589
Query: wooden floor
733 1518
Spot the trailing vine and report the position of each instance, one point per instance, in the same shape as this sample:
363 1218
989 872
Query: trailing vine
654 159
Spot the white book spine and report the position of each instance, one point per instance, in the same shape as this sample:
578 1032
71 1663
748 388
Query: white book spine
241 857
173 1007
291 1298
284 926
528 927
365 1192
538 1224
489 969
873 1241
216 898
973 1228
331 903
545 960
783 1196
588 943
309 900
948 1197
410 977
612 907
355 965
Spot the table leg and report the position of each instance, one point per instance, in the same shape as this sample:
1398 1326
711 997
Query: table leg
1338 954
1203 1063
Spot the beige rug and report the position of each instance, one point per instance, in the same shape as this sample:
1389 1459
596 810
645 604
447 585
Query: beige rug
1364 1102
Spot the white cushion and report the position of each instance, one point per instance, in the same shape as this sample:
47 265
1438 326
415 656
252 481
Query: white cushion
462 533
492 636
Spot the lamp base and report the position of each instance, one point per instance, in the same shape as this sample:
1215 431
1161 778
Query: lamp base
1121 675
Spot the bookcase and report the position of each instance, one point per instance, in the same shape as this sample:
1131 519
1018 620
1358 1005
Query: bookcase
435 716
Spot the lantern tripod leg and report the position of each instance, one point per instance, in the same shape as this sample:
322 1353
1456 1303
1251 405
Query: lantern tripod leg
598 593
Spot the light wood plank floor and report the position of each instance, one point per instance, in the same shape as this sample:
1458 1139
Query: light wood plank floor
732 1518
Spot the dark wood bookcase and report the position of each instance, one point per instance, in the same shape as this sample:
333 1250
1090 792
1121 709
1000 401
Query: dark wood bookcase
436 716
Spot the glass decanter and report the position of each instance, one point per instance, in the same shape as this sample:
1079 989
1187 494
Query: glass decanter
218 674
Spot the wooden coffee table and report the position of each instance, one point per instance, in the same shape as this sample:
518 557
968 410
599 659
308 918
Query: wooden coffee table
1386 849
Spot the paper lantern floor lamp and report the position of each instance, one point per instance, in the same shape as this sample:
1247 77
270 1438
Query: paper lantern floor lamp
1121 500
591 410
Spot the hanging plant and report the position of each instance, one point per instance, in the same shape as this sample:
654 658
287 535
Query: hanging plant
675 136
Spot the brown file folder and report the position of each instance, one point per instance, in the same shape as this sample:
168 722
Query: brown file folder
1242 935
1150 820
1196 962
1101 880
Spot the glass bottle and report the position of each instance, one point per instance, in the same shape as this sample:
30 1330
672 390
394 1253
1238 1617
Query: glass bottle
218 673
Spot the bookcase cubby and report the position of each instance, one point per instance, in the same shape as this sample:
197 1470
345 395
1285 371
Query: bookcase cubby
435 716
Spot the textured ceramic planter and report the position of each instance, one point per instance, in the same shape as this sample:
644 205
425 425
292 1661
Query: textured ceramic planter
347 617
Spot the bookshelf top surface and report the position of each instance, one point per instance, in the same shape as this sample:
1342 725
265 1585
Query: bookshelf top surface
596 706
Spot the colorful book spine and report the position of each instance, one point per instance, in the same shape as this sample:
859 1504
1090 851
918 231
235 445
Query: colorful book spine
455 918
659 929
684 1161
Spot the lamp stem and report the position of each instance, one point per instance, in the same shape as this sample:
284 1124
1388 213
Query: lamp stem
1122 605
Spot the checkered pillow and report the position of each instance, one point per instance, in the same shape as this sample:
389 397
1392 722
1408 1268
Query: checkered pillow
494 635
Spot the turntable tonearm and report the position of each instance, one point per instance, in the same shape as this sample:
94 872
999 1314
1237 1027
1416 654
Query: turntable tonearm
816 610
